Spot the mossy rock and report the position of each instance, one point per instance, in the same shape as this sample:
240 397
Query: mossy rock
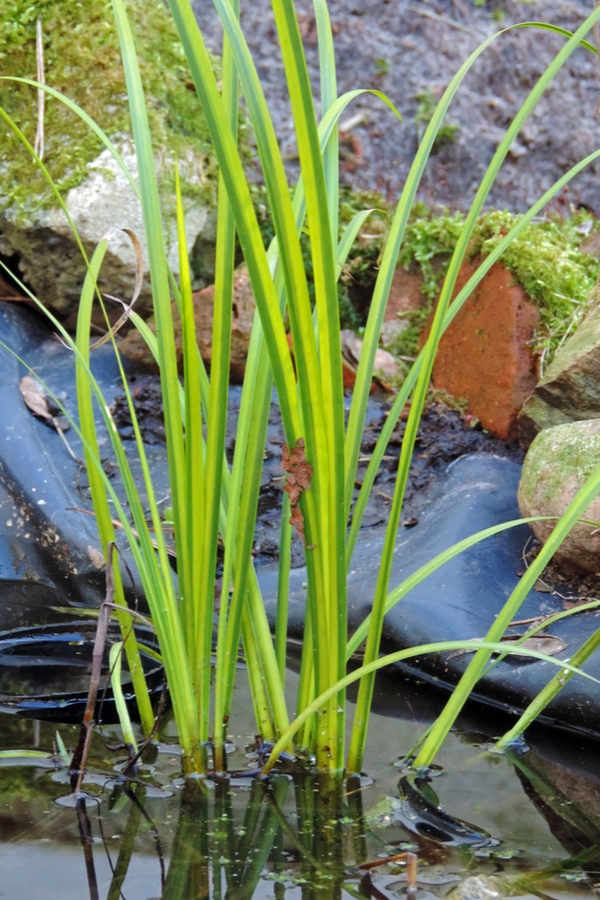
557 465
82 60
569 390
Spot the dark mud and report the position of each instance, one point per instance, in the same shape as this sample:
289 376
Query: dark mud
444 435
410 49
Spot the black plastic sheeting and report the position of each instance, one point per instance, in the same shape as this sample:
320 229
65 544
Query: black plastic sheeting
47 531
58 658
461 599
45 542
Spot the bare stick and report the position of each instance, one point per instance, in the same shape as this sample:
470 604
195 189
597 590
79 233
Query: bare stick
39 55
80 755
411 868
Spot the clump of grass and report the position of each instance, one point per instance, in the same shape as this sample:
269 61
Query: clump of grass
212 501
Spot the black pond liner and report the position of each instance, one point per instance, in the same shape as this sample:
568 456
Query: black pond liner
462 598
45 560
38 665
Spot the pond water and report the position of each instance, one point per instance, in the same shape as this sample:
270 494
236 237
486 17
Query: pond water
178 840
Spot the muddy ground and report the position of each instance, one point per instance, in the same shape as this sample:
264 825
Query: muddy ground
444 435
408 48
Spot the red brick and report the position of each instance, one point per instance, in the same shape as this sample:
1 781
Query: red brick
485 357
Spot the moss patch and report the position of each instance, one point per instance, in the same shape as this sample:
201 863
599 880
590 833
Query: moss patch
82 60
546 260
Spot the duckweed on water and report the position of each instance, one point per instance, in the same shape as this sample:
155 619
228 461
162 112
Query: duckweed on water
82 59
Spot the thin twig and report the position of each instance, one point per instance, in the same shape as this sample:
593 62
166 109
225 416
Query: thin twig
446 21
411 868
38 145
78 763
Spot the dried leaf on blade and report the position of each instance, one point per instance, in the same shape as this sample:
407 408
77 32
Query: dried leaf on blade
542 643
300 472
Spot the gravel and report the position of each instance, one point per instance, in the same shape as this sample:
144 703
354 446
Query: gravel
406 48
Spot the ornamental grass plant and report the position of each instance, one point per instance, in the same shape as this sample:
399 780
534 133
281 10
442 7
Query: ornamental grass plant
213 501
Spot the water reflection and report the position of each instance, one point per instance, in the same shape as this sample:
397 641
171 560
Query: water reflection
306 836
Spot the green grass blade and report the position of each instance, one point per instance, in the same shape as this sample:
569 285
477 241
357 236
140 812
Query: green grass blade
456 305
349 236
425 571
329 418
573 513
328 98
195 607
283 586
114 660
219 388
401 656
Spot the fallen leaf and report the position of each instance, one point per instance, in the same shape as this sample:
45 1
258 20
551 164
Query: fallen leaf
542 643
96 557
34 398
37 401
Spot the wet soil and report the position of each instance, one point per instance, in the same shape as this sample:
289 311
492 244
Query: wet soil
411 51
444 435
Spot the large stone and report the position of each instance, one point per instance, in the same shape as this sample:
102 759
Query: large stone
570 388
134 347
34 230
557 465
484 357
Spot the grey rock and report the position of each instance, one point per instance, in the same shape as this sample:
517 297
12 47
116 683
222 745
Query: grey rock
570 388
557 465
48 257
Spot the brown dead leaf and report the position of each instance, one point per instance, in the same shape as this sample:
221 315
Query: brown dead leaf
34 398
541 643
37 401
297 520
300 472
294 490
293 457
96 557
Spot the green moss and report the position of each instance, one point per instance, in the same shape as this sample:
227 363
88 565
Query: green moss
429 240
546 261
427 104
82 60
